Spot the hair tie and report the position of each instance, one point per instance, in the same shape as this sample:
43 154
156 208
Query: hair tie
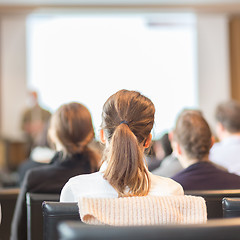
124 122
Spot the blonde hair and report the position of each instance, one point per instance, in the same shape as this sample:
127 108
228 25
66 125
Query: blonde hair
127 120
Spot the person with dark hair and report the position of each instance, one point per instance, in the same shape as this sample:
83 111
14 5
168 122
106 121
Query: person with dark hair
161 148
71 131
127 121
193 139
170 164
226 153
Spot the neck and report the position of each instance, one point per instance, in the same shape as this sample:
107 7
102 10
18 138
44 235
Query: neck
227 134
186 162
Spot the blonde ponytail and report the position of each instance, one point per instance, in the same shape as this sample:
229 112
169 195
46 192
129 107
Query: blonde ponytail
125 164
128 118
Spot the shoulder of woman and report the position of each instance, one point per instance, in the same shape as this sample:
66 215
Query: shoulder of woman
168 183
86 177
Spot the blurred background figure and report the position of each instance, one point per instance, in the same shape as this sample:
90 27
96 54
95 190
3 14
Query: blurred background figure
226 153
193 139
71 131
33 120
41 154
170 165
161 148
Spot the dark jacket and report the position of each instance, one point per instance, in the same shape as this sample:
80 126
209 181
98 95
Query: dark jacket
206 176
47 179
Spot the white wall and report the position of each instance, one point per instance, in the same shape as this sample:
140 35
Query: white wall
213 67
13 73
213 62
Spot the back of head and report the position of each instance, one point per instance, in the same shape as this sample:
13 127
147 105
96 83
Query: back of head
228 114
72 124
193 134
127 120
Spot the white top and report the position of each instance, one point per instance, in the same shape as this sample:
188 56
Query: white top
42 154
227 154
95 186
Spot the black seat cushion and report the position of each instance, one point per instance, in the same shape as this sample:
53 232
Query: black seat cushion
8 198
34 213
231 207
220 229
213 200
54 213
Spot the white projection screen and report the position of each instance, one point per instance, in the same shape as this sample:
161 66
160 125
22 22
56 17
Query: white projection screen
86 58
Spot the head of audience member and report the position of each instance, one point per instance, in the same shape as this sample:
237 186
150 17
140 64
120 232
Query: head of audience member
127 121
71 128
162 147
228 119
192 137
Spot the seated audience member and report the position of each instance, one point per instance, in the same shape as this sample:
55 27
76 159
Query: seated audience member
226 153
40 155
161 149
71 131
127 121
193 142
170 165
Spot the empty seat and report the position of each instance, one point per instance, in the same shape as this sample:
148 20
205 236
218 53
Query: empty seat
213 200
54 213
220 229
8 198
231 207
34 213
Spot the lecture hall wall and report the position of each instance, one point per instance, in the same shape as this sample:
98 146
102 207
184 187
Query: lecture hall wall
212 51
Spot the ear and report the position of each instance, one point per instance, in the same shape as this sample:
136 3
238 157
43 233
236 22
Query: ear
219 127
220 130
102 136
148 141
170 136
178 149
212 141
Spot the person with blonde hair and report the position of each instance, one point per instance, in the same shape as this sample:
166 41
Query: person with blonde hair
127 121
71 131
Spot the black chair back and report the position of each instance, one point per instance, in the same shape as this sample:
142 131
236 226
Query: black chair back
213 200
34 213
231 207
8 198
220 229
54 213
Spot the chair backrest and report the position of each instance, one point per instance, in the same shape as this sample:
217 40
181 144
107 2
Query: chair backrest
213 200
8 198
219 229
54 213
34 213
231 207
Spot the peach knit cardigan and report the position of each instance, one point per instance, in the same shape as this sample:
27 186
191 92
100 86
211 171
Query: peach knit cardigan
147 210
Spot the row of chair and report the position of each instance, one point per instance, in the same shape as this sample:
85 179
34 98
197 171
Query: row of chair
55 213
220 229
70 211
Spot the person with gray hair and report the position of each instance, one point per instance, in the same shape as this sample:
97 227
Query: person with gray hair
226 152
